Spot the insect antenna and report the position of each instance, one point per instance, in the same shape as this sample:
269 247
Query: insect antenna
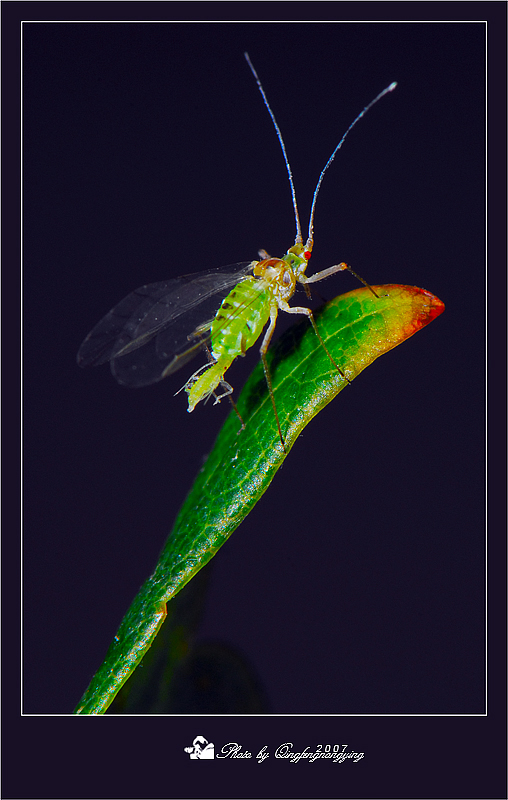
389 88
298 239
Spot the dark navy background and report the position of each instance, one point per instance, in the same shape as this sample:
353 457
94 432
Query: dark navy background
356 585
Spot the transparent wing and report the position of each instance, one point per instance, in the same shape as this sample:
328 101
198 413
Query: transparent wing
158 328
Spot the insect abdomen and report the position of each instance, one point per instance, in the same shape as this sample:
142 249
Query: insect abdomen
237 325
240 319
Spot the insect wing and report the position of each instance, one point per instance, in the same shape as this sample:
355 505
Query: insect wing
148 328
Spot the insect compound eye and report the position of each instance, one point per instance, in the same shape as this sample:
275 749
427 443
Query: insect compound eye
286 278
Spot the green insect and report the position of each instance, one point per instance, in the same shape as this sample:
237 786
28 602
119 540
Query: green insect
155 330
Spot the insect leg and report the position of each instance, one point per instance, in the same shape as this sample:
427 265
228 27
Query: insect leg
262 352
227 386
308 313
235 409
193 378
228 390
325 273
227 393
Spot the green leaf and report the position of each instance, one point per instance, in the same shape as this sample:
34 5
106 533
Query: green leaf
356 328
